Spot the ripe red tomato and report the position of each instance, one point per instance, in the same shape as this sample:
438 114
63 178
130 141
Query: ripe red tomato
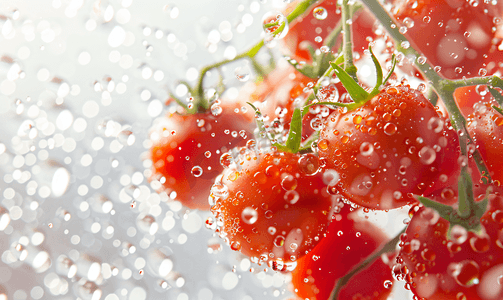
349 241
186 150
471 98
485 126
462 265
460 37
393 146
304 30
274 207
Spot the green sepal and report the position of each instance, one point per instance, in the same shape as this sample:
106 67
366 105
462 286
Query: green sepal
295 132
258 121
393 65
498 109
349 106
379 81
496 95
445 211
357 93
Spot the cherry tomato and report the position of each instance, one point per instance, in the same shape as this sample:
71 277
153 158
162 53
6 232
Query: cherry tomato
485 126
186 149
274 207
462 265
350 239
393 146
472 98
460 40
319 23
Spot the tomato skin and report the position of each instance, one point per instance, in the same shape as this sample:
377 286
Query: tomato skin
306 29
176 137
485 126
466 266
461 40
330 260
394 145
272 206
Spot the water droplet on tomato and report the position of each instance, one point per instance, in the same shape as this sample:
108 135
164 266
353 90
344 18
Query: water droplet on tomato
249 215
216 109
197 171
388 284
279 241
309 164
390 128
458 234
226 160
236 246
289 183
428 254
320 13
427 155
480 244
331 177
366 149
467 273
323 144
435 124
291 197
271 230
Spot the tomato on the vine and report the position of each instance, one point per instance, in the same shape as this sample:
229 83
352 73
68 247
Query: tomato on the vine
393 146
438 263
186 149
272 206
461 37
314 27
350 239
485 126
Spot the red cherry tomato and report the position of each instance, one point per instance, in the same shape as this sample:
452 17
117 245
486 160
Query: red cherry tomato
186 150
460 38
393 146
319 23
349 241
464 265
273 207
486 128
472 98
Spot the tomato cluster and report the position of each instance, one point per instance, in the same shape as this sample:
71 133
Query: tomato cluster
285 185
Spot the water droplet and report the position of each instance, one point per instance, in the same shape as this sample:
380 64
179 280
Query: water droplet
279 241
320 13
249 215
427 155
275 25
309 164
390 128
466 273
291 197
331 177
197 171
388 284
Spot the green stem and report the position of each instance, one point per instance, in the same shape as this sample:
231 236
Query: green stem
443 87
347 46
387 248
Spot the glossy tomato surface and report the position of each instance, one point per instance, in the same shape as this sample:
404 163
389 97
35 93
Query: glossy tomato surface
186 150
350 239
486 128
314 27
458 37
395 145
459 265
272 206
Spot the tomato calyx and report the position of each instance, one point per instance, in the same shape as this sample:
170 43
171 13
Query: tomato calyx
359 95
294 137
469 211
